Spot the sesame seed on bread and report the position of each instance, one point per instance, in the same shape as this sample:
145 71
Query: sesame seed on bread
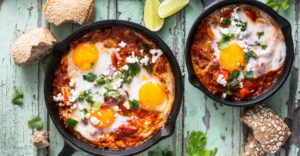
32 46
253 148
77 11
268 128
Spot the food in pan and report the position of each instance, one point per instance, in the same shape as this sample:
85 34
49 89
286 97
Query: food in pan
269 130
238 52
114 88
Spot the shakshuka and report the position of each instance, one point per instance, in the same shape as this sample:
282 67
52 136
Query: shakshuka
114 88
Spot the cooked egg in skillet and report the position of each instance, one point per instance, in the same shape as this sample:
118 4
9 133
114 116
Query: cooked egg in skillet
114 91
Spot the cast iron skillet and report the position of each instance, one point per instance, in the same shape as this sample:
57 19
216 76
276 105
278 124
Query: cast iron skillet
212 5
71 142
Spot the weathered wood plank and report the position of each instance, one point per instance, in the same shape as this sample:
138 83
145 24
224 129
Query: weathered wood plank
17 17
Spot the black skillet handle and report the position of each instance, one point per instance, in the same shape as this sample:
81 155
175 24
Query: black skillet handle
207 3
67 150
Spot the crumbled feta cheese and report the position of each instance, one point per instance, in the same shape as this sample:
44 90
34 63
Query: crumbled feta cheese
122 44
241 85
144 60
74 95
126 105
221 80
117 49
125 67
58 97
224 95
132 58
94 120
156 53
116 108
71 83
74 106
116 83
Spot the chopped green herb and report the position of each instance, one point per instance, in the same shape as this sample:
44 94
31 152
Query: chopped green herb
264 47
96 106
160 153
101 81
242 25
248 55
80 98
224 42
196 145
248 74
115 94
225 21
260 34
132 71
71 122
17 97
144 47
134 104
234 83
89 99
276 4
90 77
108 88
84 111
234 74
228 92
35 123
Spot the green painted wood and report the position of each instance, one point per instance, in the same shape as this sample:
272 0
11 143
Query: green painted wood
221 123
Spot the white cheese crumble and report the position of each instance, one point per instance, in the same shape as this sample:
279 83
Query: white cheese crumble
74 95
221 80
241 85
58 97
126 105
125 67
156 53
94 120
116 83
132 58
122 44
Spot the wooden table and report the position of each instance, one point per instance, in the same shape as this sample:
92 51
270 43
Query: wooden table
221 123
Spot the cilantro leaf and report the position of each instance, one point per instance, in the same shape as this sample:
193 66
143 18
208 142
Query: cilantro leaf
96 106
248 74
17 97
84 111
90 77
134 104
100 81
276 4
242 25
234 83
196 145
35 123
224 42
234 74
133 70
248 55
263 46
71 122
260 34
225 21
228 92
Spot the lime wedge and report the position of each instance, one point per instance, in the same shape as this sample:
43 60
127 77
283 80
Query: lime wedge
170 7
151 19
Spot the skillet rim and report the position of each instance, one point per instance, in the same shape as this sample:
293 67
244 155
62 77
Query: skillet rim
286 29
61 47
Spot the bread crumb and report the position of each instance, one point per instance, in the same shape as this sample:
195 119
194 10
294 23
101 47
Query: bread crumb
40 139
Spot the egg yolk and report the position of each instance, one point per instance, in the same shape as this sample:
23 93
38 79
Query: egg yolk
85 56
232 57
151 95
105 117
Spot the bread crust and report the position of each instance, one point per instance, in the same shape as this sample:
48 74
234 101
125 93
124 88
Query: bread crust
76 11
32 46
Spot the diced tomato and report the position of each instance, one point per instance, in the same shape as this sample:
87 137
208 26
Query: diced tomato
105 105
244 93
114 60
226 13
210 33
250 85
126 130
216 74
251 14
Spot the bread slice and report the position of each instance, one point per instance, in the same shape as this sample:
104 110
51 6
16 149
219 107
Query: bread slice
31 46
77 11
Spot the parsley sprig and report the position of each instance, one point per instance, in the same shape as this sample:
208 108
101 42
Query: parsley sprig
277 4
196 145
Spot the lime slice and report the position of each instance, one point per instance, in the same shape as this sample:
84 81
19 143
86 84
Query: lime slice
151 19
170 7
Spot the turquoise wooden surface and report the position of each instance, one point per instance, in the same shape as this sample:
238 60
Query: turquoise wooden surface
221 123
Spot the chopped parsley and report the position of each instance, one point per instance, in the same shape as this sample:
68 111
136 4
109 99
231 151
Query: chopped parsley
248 74
17 97
134 104
84 111
260 34
225 21
196 145
234 83
228 92
242 25
224 42
89 99
71 122
100 81
133 70
90 77
35 123
248 55
96 106
234 74
263 46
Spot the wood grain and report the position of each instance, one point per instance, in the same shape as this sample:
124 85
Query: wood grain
221 123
